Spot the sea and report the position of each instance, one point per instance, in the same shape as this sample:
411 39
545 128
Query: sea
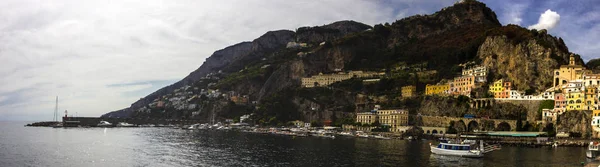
152 146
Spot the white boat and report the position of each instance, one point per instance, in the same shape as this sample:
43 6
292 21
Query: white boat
104 124
592 151
462 149
381 137
125 124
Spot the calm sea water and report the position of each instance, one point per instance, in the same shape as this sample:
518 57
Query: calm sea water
38 146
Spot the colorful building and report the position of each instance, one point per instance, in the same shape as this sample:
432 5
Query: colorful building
575 100
560 103
596 118
440 89
567 73
462 85
503 90
591 98
409 91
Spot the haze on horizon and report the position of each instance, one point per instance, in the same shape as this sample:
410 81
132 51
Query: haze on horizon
100 56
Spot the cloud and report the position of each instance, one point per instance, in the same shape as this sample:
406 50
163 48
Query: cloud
92 54
548 20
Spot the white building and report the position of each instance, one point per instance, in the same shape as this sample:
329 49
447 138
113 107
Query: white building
596 121
549 115
480 73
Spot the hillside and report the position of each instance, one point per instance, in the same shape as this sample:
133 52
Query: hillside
263 76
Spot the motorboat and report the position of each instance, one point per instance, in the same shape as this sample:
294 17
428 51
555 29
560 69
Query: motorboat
381 137
462 149
592 151
125 124
104 124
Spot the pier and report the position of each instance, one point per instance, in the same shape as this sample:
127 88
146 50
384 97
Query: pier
93 121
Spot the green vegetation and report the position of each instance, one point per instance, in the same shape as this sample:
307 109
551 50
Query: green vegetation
248 74
546 104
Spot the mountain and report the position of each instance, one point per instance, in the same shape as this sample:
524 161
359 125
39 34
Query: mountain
266 72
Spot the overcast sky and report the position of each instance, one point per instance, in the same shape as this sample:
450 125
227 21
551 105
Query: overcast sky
100 56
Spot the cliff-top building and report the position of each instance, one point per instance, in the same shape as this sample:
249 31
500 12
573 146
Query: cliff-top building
480 73
408 91
328 79
567 73
462 85
440 89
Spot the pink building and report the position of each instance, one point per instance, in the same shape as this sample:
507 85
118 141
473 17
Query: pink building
560 103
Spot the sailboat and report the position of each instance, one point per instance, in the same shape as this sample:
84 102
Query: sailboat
57 123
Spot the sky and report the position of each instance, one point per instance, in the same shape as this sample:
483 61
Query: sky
101 56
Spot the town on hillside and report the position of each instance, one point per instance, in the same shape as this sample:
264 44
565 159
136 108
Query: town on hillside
574 89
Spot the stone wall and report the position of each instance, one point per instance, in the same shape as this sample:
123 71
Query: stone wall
532 107
478 123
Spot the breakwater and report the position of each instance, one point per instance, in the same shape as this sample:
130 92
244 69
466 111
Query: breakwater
93 121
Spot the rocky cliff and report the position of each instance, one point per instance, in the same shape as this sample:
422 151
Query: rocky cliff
527 62
266 72
575 122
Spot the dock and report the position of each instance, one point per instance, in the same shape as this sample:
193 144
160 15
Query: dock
93 121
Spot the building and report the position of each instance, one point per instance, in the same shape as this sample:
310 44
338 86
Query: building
596 118
462 85
298 123
496 87
240 99
590 79
567 73
560 103
409 91
440 89
328 79
549 115
366 117
480 73
393 118
503 90
591 98
575 100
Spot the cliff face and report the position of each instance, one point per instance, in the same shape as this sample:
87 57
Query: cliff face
575 121
453 17
528 63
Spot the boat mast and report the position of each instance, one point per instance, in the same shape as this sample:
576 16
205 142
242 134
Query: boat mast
56 110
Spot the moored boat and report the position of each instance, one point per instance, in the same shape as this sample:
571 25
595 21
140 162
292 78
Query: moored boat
462 149
125 124
593 150
104 124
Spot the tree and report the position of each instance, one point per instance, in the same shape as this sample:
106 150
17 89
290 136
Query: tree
451 129
550 130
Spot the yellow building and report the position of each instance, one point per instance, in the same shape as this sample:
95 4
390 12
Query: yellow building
568 73
591 98
328 79
393 118
575 100
596 113
366 117
409 91
496 87
441 89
